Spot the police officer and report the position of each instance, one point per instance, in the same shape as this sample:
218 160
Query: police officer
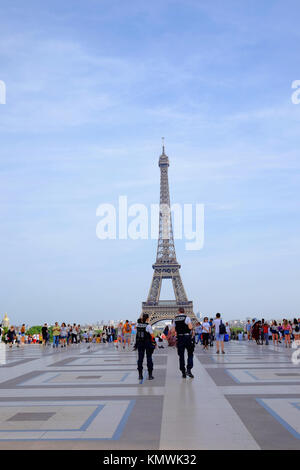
144 344
183 326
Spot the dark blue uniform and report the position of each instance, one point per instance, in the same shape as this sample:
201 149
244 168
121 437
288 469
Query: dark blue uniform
144 344
184 342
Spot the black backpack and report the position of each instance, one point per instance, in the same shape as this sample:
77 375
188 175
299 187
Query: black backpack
222 328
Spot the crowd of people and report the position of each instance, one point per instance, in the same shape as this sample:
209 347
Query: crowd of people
65 335
262 332
140 336
205 333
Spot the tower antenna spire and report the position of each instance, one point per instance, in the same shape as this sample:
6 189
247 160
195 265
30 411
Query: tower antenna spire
163 145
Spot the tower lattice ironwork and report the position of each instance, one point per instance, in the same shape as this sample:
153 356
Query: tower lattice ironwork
166 265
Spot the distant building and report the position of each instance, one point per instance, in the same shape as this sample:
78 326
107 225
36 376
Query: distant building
5 321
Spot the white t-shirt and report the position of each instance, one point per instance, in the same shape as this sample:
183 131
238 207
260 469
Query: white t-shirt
216 323
149 329
205 327
63 331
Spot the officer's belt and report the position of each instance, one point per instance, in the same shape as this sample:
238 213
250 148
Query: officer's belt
183 334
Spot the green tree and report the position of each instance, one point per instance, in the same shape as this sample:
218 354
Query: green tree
5 330
34 330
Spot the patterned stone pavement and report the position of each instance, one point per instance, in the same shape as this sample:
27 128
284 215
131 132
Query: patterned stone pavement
83 398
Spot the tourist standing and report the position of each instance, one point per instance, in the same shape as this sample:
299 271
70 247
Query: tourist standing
296 329
183 327
144 344
69 334
265 327
133 333
78 334
22 335
114 334
211 336
63 335
279 329
107 334
248 330
253 323
262 331
74 334
90 334
45 334
127 334
198 332
56 334
287 329
206 330
120 334
11 336
220 330
274 331
255 330
228 331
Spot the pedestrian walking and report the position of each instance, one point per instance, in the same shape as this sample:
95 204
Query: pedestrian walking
144 344
183 327
198 332
220 331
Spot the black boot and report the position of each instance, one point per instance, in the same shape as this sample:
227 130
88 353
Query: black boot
183 374
150 376
189 373
141 376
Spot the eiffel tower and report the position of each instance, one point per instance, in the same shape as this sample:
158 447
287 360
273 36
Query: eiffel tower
166 265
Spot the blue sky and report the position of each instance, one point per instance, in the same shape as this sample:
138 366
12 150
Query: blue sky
91 88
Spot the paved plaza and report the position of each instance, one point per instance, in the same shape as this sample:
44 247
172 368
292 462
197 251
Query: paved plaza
84 398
